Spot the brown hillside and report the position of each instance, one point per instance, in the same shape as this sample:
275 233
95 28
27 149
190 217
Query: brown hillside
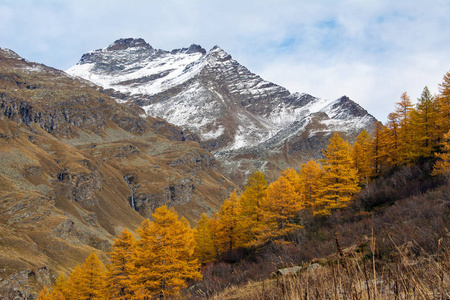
65 150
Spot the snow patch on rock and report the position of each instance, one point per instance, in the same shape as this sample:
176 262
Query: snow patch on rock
213 95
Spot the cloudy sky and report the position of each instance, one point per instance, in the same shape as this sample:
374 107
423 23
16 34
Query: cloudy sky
369 50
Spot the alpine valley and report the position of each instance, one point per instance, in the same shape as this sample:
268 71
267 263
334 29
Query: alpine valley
86 153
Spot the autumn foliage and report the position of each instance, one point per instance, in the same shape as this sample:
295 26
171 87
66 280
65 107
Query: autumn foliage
167 253
164 260
340 179
158 263
270 212
121 266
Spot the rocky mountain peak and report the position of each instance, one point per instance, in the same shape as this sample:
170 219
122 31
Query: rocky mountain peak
122 44
7 53
121 52
246 121
219 54
194 48
344 107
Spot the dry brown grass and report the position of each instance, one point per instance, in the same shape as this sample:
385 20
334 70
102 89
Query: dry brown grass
396 251
357 276
65 148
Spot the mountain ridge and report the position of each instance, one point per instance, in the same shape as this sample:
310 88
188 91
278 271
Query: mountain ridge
228 106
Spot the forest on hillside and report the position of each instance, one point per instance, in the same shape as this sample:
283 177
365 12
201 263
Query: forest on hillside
388 191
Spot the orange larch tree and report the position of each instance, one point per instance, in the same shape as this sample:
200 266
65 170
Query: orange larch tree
442 166
204 246
392 139
407 148
228 228
121 266
361 156
44 294
294 179
60 287
164 255
340 181
250 217
425 124
380 149
311 180
87 281
213 225
444 105
280 210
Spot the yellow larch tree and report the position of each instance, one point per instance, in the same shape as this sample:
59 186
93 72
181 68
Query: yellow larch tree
204 250
57 295
442 165
294 179
280 210
164 255
407 150
310 180
93 276
121 266
60 288
361 156
228 228
143 282
213 225
44 294
380 149
444 105
340 181
425 124
74 281
392 139
250 206
87 281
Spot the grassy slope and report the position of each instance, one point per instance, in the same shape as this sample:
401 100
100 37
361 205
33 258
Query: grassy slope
64 151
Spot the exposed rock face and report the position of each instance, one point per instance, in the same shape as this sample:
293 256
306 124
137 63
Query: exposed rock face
81 187
65 150
16 286
247 122
123 44
176 193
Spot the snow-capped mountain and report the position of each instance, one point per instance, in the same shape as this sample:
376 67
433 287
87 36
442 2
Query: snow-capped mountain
234 111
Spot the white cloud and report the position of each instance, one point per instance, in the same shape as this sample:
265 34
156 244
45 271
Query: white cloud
371 51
